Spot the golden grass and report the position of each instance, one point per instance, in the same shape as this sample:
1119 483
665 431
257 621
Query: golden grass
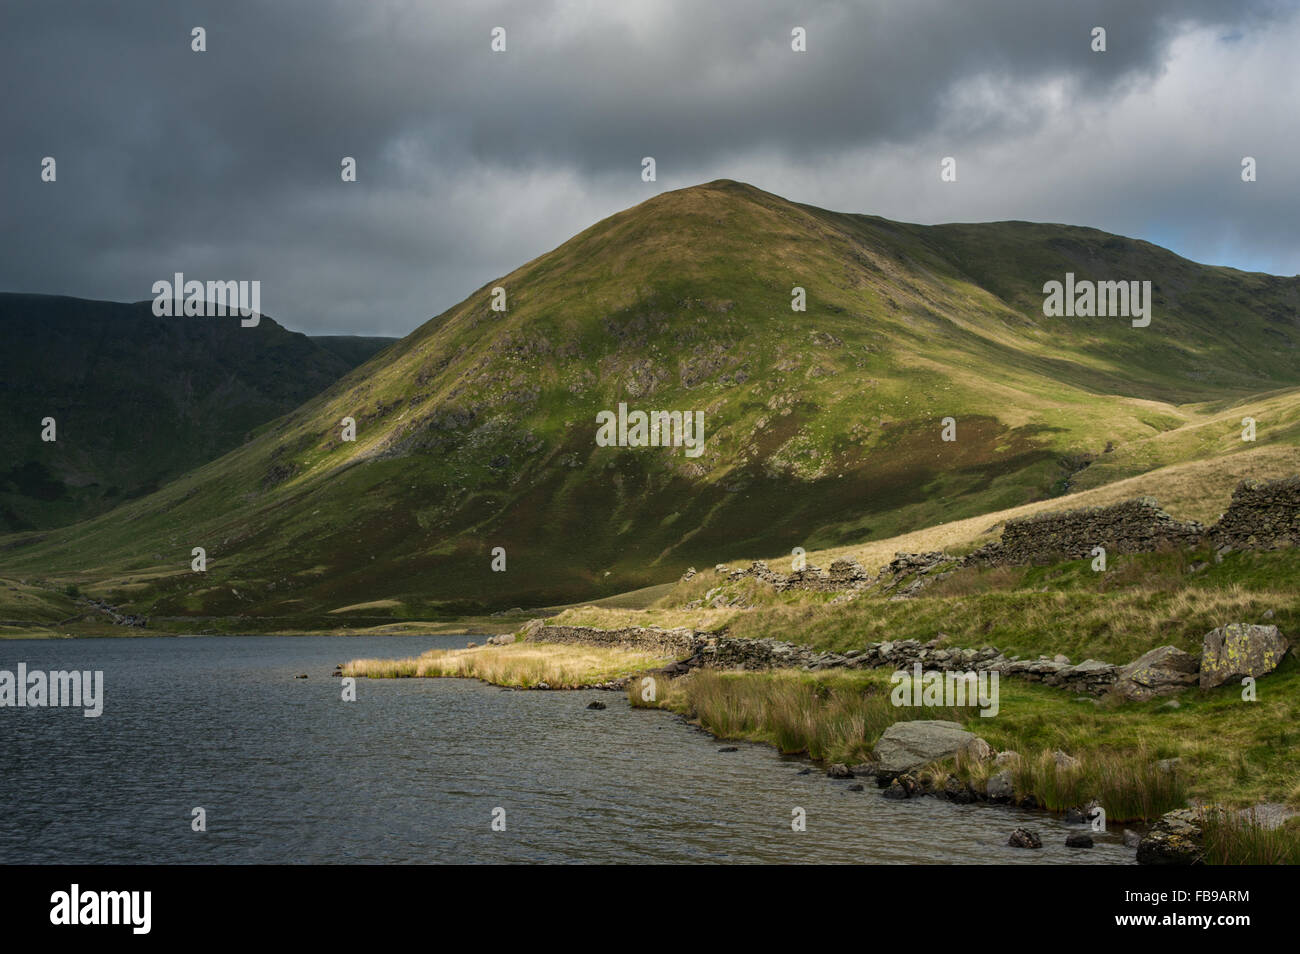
665 618
373 604
524 665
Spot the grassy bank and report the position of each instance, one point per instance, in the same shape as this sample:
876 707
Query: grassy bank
1230 752
1142 601
523 665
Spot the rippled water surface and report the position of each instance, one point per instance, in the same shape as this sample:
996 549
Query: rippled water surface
412 771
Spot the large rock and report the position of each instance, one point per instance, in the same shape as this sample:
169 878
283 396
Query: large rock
1239 649
1176 839
1163 670
905 746
1001 786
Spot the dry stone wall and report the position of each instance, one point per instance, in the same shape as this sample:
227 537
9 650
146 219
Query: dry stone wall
1132 526
679 643
1262 514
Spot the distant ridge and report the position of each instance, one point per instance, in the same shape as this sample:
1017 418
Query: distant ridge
137 400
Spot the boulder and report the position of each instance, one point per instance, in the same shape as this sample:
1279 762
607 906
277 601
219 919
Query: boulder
1024 838
905 746
1000 787
1239 649
1079 839
1176 839
978 750
839 770
1163 670
1064 762
904 786
955 790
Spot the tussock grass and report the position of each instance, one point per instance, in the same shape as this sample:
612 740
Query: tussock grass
522 665
1127 784
830 717
1230 839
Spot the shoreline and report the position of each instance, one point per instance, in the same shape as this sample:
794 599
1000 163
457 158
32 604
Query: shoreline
1151 785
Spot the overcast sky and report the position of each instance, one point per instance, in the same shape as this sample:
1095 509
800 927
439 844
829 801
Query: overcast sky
225 164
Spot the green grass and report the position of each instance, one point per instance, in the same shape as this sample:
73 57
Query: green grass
1231 752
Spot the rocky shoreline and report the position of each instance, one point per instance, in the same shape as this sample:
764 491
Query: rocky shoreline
1232 651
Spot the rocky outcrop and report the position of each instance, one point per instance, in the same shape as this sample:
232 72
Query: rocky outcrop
906 746
845 574
1159 672
908 573
115 616
1237 650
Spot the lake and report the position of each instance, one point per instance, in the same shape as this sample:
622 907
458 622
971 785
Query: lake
412 771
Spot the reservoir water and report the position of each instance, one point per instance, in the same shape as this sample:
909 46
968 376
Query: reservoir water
412 772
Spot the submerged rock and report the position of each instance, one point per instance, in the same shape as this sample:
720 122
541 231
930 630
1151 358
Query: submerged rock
1024 838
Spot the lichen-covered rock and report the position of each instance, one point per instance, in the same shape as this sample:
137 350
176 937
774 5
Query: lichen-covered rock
1159 672
1238 649
1176 839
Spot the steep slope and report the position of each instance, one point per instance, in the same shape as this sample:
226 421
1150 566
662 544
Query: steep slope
823 427
136 399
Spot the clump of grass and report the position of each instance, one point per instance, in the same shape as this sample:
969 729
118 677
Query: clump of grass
830 717
1232 839
523 665
1127 784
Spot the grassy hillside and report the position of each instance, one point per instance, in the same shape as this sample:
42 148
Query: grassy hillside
137 399
823 427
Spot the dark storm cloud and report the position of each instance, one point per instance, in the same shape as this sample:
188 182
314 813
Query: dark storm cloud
225 164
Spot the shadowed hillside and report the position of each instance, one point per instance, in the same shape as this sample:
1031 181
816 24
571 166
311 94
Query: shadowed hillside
137 399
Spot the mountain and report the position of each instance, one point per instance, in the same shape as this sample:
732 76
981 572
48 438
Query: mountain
136 399
823 426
